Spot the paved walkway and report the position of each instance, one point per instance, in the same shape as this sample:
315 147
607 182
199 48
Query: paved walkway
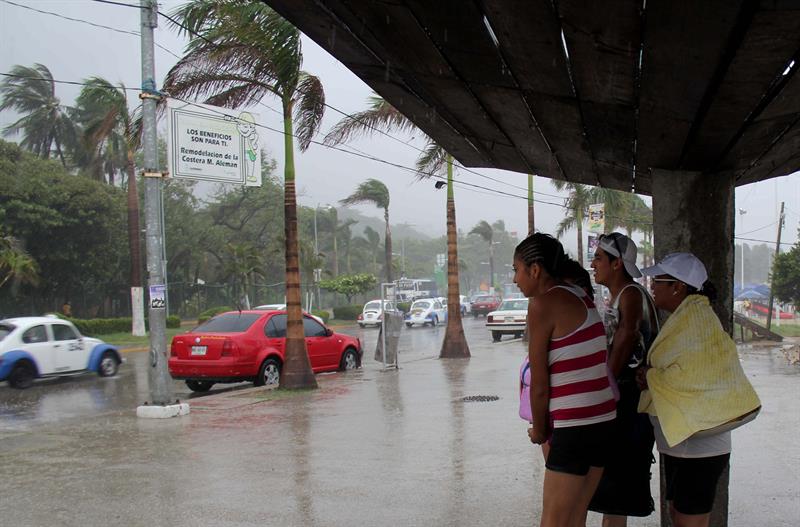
368 448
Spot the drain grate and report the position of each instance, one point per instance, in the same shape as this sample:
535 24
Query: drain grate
479 398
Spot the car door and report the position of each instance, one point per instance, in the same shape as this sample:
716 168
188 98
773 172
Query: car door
39 344
322 350
441 314
275 331
69 353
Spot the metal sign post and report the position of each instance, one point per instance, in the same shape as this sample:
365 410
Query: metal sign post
389 323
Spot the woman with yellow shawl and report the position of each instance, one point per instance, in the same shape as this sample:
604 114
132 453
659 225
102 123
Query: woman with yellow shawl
694 388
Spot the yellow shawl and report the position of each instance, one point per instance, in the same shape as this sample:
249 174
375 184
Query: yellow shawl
695 381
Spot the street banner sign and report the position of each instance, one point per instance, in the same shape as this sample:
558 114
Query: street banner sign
597 218
211 143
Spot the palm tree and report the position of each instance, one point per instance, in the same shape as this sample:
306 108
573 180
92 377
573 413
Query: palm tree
380 115
15 263
111 135
46 123
242 261
245 52
373 244
577 203
375 192
485 231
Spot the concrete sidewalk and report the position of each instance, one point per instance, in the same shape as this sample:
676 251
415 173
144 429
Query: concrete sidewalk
368 448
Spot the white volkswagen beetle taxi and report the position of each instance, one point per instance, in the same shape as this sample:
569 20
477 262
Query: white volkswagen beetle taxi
34 347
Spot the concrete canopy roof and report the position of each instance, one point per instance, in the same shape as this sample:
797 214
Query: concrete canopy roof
591 92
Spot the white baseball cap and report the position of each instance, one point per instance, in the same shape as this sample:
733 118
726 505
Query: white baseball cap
686 267
620 246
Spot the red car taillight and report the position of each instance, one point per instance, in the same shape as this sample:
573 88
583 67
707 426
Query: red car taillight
228 348
490 319
360 316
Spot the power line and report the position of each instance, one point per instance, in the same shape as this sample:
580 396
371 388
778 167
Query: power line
118 3
93 24
762 241
759 229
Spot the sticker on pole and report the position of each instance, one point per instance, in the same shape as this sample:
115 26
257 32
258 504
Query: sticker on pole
211 143
158 297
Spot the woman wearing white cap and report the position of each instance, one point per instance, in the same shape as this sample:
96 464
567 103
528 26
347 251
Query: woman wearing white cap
694 388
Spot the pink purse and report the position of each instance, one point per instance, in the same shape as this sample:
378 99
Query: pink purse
525 391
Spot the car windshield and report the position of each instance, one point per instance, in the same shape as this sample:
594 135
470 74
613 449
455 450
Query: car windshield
228 323
372 306
421 305
519 304
6 329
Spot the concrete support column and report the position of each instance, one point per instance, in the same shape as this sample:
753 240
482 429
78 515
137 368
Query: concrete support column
694 212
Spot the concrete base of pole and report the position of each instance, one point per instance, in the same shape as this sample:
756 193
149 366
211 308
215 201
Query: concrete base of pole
162 412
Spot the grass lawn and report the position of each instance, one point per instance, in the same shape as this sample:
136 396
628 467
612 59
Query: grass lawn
128 340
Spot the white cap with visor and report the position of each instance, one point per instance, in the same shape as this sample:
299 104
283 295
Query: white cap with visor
685 267
620 246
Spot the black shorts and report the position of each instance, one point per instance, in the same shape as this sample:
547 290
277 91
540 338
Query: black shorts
574 449
692 482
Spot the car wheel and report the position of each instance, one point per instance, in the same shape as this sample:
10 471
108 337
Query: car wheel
108 365
409 324
474 314
496 336
518 335
269 374
21 375
199 386
349 360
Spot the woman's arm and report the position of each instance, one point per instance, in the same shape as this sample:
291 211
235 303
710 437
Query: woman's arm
538 343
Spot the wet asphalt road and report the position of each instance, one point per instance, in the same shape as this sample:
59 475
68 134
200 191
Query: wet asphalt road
368 448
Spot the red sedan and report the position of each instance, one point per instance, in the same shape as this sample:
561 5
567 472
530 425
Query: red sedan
249 346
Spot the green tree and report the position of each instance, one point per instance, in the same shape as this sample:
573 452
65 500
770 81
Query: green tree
577 203
786 275
240 52
380 115
45 123
350 285
242 263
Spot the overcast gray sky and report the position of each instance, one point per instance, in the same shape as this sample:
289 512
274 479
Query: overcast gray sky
74 51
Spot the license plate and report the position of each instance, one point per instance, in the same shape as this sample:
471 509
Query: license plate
509 319
198 350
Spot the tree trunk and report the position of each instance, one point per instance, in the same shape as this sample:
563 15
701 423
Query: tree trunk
296 372
454 345
491 265
579 222
388 245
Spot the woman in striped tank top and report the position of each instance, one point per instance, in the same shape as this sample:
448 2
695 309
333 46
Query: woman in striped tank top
572 401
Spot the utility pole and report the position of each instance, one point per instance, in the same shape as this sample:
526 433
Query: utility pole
777 252
158 374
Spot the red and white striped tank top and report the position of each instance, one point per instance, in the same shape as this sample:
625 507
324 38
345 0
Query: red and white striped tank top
580 393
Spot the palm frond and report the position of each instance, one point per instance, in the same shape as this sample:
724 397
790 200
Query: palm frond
370 191
431 161
309 109
380 117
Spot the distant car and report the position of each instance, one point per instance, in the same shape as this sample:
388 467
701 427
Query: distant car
484 304
466 307
271 307
427 311
249 346
38 347
372 314
509 318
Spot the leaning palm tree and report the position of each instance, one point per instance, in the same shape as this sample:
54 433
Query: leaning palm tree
486 232
375 192
111 136
380 115
240 52
45 124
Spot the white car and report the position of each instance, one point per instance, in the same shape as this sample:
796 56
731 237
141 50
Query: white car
372 314
466 306
509 318
426 311
32 347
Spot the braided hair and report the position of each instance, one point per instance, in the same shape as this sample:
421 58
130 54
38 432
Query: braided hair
545 250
